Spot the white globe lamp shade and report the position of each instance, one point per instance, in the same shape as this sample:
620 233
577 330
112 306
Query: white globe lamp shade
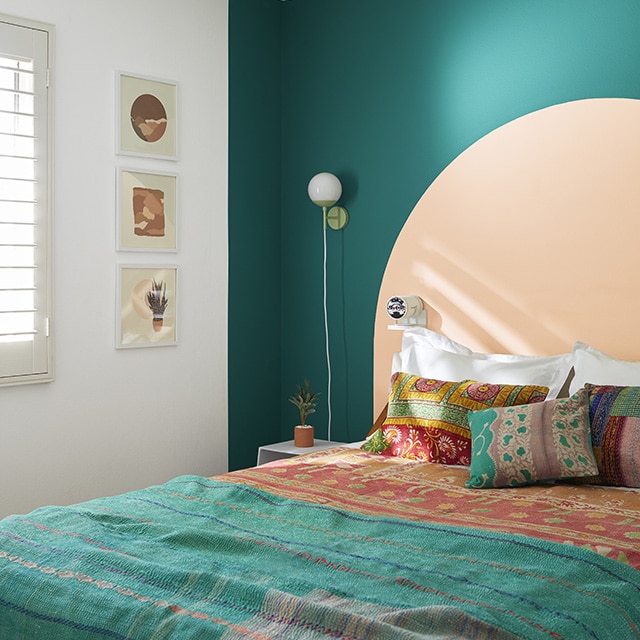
324 189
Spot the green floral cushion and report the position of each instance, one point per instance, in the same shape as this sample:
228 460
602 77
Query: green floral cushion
516 446
376 442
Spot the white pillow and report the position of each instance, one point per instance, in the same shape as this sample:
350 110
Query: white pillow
593 366
417 358
396 362
423 337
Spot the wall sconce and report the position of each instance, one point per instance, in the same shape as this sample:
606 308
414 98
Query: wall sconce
325 190
406 311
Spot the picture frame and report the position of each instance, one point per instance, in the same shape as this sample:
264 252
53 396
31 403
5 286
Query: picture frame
146 116
146 218
146 306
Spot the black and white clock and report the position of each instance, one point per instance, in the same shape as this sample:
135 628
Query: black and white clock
406 310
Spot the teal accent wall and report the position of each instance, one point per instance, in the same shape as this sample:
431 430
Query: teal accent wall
255 176
385 95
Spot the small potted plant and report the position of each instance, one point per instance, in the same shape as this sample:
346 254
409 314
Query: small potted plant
306 403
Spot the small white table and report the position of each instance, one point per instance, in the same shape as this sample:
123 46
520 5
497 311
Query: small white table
287 449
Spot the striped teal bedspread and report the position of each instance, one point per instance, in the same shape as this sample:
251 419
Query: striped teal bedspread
203 558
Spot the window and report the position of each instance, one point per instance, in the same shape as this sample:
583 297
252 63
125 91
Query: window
26 353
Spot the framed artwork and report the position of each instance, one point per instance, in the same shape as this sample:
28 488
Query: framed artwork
146 211
147 113
146 306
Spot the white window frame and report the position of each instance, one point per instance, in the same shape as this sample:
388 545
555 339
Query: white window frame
30 359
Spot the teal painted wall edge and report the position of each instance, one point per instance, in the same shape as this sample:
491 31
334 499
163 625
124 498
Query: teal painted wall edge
386 95
255 141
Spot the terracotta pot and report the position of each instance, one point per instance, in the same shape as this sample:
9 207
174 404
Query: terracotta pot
303 436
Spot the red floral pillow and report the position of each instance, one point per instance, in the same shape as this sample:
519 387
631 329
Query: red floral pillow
428 419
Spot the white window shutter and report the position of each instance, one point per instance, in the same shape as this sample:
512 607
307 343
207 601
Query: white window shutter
25 202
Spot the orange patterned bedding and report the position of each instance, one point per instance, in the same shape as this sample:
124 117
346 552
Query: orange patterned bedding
603 519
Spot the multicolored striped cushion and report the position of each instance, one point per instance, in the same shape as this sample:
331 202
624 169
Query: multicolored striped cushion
428 419
517 446
615 433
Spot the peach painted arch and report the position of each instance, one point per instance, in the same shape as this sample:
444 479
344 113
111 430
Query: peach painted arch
529 240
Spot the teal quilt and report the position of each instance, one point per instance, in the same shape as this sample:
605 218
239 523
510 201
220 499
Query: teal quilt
201 558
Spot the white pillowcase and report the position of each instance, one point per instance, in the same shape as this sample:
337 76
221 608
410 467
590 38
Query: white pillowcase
423 337
428 354
591 365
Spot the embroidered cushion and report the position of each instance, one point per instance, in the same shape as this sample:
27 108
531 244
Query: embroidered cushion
615 433
427 419
516 446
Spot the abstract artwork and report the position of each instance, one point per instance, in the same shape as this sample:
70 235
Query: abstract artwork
147 212
147 310
147 117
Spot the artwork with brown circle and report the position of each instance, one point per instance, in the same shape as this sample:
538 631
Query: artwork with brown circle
147 117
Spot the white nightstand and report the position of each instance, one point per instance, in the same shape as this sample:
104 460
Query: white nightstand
280 450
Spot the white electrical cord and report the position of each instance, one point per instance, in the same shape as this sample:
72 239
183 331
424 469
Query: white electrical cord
326 322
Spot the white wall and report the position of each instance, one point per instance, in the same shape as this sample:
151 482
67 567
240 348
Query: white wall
115 420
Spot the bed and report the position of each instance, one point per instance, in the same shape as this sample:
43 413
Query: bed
340 544
376 540
457 517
